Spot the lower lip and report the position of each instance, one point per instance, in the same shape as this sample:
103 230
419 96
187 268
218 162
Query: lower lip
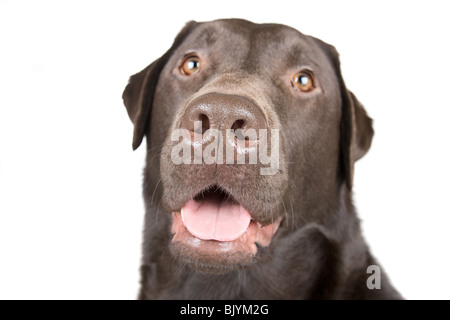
255 234
245 243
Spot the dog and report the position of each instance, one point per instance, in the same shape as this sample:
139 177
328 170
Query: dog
280 227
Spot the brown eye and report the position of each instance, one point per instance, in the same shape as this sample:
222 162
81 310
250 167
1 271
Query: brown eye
303 81
190 65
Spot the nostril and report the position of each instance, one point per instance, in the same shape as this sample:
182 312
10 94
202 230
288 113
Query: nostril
239 124
205 122
239 135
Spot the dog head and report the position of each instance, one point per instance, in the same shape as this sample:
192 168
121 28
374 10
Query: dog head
251 132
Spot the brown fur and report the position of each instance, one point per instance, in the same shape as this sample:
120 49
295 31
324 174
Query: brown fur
318 251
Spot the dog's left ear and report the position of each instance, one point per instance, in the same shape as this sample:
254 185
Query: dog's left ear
138 94
356 130
356 134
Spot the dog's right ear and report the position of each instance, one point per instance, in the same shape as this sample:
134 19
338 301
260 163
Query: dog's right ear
138 94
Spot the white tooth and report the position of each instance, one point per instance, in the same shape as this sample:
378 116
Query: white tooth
182 218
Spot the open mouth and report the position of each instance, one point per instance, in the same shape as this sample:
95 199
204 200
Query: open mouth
215 231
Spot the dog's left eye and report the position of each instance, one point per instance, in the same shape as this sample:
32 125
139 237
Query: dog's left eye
190 65
303 81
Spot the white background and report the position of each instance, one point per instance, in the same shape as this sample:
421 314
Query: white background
71 211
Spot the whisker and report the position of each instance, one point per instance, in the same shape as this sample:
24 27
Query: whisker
154 190
292 183
158 154
293 216
157 209
271 210
285 211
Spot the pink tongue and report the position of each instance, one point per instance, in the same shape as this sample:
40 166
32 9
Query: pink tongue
215 219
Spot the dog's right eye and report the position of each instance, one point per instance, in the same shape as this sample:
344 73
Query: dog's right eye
190 65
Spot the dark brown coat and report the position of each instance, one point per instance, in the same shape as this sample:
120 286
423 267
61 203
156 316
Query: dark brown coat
318 251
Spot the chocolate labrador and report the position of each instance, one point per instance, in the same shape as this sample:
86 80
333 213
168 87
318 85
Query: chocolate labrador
251 137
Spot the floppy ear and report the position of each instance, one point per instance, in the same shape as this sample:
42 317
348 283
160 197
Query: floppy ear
356 131
138 94
356 134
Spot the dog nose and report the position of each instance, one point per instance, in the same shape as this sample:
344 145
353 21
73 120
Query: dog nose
222 112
